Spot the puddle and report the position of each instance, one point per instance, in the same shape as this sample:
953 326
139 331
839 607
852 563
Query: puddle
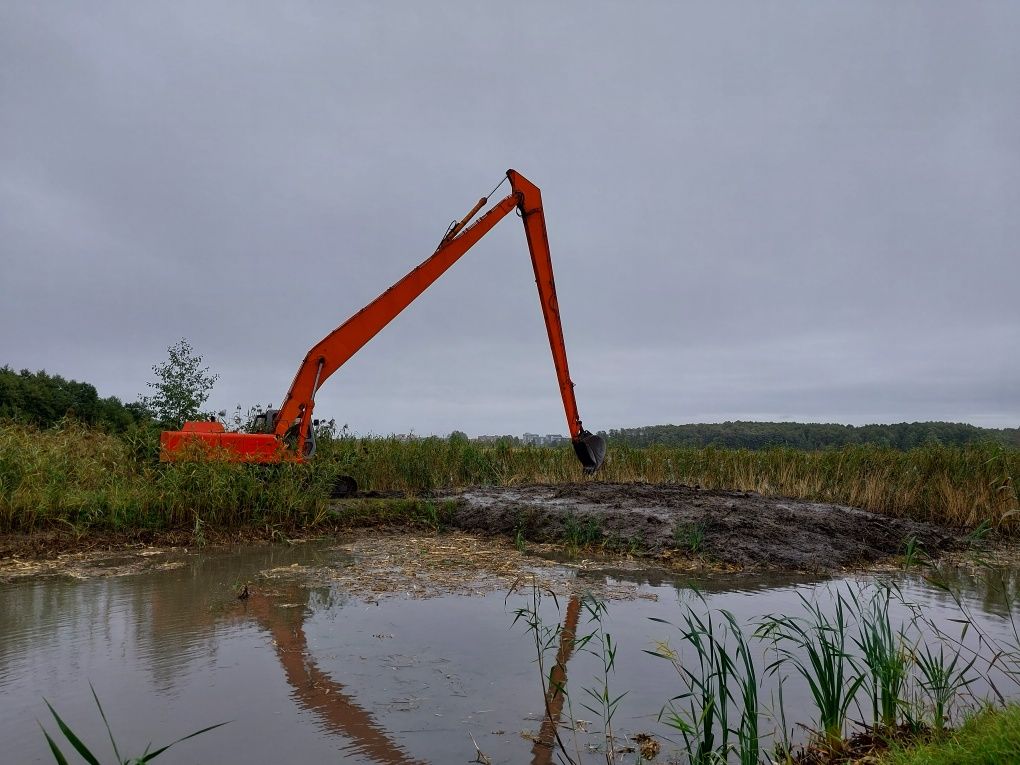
396 650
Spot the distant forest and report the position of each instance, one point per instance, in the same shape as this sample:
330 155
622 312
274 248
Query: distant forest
799 435
41 399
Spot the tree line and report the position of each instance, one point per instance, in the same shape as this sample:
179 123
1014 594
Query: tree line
180 389
812 436
42 399
182 386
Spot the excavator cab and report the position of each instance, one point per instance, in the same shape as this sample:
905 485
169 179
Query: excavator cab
264 422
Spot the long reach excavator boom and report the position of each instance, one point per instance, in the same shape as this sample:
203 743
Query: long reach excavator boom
287 434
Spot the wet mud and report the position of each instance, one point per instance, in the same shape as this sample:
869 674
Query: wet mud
734 529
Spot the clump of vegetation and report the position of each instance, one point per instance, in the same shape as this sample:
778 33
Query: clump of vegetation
599 700
689 537
816 648
885 657
721 676
913 552
581 532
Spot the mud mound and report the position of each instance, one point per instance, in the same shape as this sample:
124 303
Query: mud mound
736 528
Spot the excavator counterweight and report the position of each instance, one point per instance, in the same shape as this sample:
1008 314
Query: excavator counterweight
288 434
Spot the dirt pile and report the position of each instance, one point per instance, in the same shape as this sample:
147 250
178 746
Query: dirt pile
734 528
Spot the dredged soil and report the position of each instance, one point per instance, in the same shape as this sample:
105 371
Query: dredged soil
740 529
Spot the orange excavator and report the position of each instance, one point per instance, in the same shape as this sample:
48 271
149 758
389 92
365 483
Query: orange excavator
287 434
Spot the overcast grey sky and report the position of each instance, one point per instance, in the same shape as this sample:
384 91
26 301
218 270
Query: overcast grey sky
801 211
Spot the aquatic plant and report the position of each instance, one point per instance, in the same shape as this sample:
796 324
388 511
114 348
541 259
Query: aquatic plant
689 536
86 754
720 678
885 656
548 638
580 532
942 680
599 643
913 552
997 653
816 647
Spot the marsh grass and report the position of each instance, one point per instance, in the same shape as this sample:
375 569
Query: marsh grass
848 654
994 653
942 679
84 479
557 640
581 531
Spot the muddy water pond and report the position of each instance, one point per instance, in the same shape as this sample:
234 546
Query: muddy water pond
355 652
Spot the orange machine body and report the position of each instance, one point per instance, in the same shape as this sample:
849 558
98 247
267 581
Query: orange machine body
290 430
212 439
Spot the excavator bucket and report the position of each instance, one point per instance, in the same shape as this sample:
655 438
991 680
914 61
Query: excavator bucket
591 450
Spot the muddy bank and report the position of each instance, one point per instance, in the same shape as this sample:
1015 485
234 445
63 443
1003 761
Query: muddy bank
52 552
47 544
685 527
739 529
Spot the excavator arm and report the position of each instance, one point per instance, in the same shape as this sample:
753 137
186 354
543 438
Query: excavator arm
292 424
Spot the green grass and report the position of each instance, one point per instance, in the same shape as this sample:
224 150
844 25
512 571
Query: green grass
689 537
581 532
84 479
991 737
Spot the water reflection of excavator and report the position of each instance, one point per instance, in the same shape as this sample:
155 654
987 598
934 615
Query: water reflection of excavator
317 691
287 433
545 743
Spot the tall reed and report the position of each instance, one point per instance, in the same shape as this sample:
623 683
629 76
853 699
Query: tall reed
88 479
942 679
